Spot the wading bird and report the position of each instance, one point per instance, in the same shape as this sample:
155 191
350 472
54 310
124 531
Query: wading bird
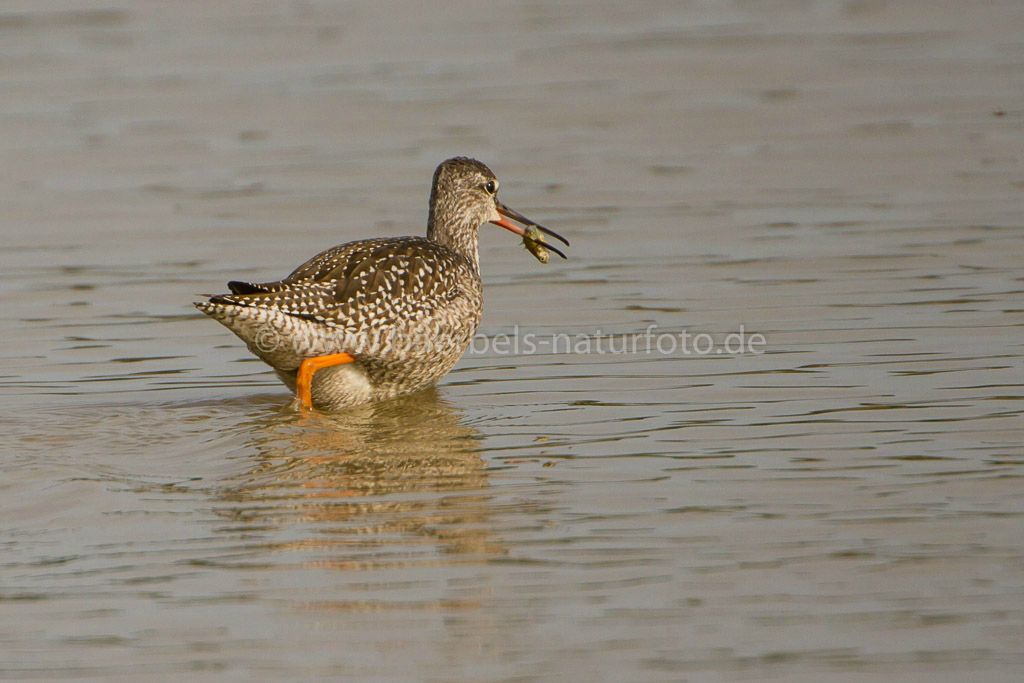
374 319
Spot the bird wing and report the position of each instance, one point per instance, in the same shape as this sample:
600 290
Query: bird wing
312 270
353 284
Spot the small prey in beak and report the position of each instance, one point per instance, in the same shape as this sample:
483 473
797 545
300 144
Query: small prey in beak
533 240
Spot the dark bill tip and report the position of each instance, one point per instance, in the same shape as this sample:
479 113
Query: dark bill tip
516 216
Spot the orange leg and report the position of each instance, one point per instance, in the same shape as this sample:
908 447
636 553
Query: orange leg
304 381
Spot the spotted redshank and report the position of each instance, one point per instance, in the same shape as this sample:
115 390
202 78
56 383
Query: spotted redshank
374 319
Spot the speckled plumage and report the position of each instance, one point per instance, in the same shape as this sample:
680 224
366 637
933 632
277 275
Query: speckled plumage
405 307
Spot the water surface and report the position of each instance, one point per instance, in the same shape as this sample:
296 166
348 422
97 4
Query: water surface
844 178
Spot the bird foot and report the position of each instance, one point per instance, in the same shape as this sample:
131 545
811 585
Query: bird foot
309 367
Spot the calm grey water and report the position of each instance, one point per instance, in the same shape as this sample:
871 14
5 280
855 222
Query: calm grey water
844 178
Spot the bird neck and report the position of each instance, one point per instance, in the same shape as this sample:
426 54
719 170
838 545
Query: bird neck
456 230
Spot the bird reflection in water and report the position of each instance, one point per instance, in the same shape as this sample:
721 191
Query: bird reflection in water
383 485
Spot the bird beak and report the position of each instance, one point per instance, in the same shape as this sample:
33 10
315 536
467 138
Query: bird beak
518 217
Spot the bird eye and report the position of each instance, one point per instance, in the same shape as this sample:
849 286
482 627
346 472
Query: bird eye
491 187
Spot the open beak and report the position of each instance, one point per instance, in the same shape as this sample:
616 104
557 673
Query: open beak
520 218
